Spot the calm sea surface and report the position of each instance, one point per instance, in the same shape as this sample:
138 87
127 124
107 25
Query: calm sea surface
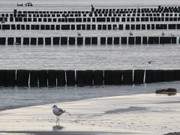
164 57
98 57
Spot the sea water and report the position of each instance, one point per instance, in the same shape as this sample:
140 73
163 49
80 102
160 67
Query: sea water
20 97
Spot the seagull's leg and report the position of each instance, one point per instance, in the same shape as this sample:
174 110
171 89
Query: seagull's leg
58 121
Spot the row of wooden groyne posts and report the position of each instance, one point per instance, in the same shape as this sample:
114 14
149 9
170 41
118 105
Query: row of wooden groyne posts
60 78
80 41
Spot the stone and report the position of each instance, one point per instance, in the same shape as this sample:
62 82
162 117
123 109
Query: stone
175 133
168 91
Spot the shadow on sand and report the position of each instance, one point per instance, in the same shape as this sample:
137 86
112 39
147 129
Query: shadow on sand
57 128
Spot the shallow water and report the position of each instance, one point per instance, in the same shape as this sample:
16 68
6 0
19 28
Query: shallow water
15 97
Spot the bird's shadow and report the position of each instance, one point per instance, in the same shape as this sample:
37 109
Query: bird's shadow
57 128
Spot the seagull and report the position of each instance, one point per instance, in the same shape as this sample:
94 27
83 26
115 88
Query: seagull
130 33
162 34
79 34
149 62
57 112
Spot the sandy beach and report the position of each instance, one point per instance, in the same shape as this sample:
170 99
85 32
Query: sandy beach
146 114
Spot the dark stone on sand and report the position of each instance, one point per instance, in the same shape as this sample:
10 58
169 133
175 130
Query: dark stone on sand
168 91
175 133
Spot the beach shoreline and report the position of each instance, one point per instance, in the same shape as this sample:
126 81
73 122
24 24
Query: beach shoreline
131 114
66 133
14 98
74 133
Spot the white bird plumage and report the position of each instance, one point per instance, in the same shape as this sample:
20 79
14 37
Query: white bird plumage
57 112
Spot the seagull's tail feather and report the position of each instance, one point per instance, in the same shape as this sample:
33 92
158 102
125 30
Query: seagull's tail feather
67 113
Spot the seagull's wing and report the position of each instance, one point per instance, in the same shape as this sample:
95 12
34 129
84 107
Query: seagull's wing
61 110
58 111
